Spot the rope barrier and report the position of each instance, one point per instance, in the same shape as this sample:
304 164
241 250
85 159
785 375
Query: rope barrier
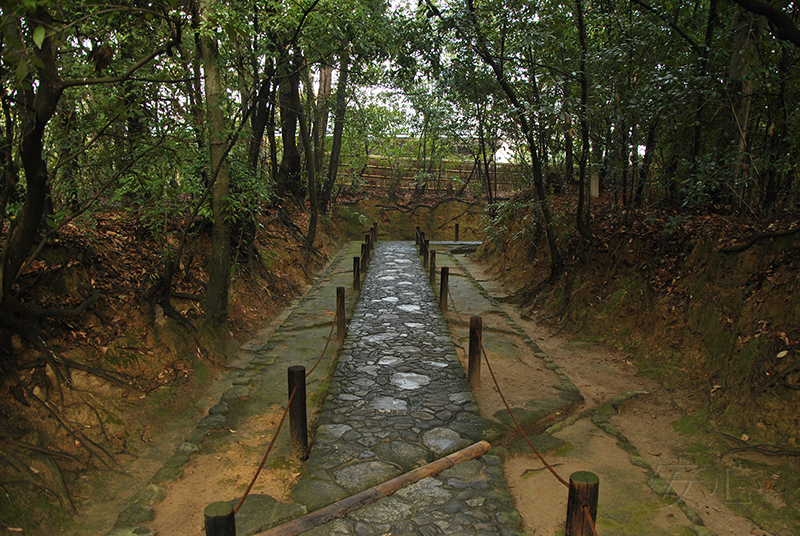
291 397
450 295
505 403
266 454
589 518
327 343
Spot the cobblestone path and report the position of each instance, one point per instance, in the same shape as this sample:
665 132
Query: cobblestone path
398 400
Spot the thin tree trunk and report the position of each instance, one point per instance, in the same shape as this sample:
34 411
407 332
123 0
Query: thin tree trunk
582 218
216 299
338 128
321 116
289 180
649 153
522 121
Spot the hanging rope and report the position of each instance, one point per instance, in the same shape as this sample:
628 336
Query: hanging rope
589 518
266 454
505 403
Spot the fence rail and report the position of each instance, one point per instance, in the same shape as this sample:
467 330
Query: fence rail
405 175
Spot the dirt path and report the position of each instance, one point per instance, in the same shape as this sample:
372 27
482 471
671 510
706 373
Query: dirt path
631 500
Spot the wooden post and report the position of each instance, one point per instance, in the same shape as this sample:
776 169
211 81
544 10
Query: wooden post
356 274
340 324
374 233
364 259
443 288
457 229
298 423
421 242
474 364
583 488
433 268
366 247
416 237
424 253
220 520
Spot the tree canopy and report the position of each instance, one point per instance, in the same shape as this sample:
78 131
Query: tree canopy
212 111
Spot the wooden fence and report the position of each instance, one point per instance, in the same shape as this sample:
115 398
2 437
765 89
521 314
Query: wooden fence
404 174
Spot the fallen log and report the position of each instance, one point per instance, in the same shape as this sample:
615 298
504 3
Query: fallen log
345 506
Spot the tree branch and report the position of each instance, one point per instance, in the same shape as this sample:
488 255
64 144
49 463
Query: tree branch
780 22
698 49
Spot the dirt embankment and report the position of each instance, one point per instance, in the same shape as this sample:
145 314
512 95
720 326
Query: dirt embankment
705 302
132 368
135 371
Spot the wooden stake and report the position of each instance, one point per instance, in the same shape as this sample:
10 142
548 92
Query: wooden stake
433 268
356 274
444 287
364 259
220 520
298 422
583 490
340 320
474 364
457 229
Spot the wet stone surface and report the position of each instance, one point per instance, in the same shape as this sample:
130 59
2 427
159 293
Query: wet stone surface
398 400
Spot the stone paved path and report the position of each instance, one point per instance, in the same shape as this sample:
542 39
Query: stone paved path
398 400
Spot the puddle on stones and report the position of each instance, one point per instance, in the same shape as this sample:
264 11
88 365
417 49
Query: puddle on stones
410 380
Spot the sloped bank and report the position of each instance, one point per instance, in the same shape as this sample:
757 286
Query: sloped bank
699 303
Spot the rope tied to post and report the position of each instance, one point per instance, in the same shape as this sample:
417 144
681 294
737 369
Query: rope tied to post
505 403
587 511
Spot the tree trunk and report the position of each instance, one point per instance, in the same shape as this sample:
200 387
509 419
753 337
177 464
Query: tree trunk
735 124
522 121
697 136
568 150
260 118
649 153
289 173
216 299
338 129
40 105
321 116
582 217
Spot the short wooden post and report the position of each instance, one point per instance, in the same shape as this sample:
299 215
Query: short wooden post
433 268
374 233
421 242
416 237
340 325
425 253
220 520
364 259
298 423
444 288
356 274
583 488
366 247
474 364
457 232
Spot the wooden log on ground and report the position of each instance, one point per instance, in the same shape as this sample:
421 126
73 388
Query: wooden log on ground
342 508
